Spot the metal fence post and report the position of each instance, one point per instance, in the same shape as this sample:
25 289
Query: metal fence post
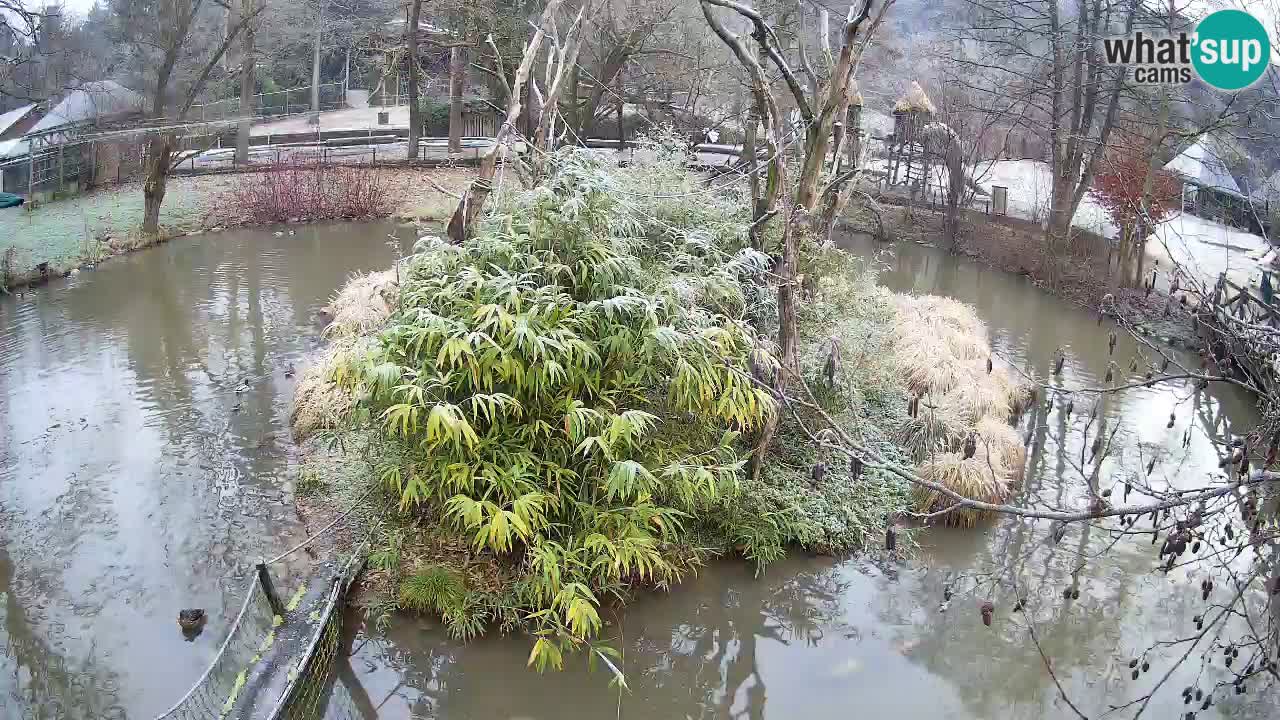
269 589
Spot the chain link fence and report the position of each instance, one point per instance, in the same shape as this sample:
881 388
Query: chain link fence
215 693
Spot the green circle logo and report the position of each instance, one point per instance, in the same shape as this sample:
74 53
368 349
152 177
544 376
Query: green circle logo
1232 50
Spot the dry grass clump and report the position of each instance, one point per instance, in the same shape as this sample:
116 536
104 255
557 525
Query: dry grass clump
1002 440
319 403
981 477
358 310
931 431
363 304
942 352
974 400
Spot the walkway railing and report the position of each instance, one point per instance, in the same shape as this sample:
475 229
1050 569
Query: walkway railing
289 101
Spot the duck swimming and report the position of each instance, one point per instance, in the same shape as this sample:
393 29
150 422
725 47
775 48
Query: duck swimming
192 621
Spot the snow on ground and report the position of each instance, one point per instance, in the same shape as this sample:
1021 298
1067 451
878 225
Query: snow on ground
1029 183
1204 249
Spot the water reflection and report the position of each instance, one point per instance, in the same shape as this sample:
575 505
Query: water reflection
820 638
144 457
800 641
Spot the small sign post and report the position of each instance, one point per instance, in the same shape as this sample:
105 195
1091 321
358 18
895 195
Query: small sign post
999 200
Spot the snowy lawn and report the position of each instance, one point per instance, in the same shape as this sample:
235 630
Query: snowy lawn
1206 249
1029 183
68 232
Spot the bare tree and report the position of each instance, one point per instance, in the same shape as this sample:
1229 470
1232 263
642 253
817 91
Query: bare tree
248 75
175 70
43 50
1047 57
19 33
619 34
457 88
797 205
411 42
315 56
473 200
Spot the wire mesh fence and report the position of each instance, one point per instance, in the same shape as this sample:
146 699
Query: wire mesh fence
298 644
318 687
311 679
214 694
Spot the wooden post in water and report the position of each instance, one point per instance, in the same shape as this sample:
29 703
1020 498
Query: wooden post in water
269 589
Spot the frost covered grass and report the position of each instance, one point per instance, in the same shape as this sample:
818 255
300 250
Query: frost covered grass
85 228
821 501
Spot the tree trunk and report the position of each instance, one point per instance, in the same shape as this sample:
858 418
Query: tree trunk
753 175
1058 226
457 77
573 111
153 187
315 59
1148 181
472 201
247 78
759 203
622 136
415 112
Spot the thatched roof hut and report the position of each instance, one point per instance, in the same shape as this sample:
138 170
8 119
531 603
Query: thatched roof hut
914 100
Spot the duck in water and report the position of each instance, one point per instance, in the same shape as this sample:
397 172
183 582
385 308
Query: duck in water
192 622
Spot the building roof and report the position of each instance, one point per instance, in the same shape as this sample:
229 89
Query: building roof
11 118
16 147
1200 165
91 102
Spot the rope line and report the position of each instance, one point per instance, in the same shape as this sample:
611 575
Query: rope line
311 538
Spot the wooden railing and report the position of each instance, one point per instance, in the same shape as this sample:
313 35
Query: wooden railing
1241 303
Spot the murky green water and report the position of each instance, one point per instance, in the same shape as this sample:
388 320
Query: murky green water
144 457
144 463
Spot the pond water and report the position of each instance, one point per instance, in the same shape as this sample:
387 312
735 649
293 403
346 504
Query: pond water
145 464
145 457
